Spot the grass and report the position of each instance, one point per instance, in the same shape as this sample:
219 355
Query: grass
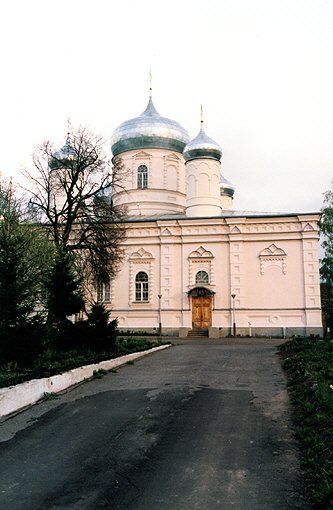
50 396
99 374
53 362
309 367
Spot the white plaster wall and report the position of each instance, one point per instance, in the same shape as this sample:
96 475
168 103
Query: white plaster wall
280 295
226 203
203 188
149 202
274 289
166 182
161 254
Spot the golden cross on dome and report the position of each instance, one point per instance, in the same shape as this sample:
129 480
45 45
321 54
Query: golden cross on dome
150 82
69 128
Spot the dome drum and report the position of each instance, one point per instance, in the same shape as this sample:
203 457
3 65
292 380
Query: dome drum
203 192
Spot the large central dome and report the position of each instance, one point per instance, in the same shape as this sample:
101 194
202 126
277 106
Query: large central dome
149 130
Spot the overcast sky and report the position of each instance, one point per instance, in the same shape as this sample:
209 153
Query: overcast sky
263 70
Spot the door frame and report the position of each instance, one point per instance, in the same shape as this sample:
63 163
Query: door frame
204 304
201 292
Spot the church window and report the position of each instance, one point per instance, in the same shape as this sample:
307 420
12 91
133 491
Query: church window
104 292
142 177
141 286
202 277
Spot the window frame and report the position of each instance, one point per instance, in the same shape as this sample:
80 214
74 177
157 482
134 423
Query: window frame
141 287
104 292
202 281
142 177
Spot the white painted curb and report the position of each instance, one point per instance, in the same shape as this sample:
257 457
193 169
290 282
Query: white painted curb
22 395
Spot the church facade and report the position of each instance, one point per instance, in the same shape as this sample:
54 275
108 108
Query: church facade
191 262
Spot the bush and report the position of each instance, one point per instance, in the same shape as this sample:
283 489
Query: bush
23 342
67 336
103 333
128 345
52 361
308 363
96 333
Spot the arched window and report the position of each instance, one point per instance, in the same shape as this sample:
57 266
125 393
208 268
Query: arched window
202 277
142 177
104 292
141 287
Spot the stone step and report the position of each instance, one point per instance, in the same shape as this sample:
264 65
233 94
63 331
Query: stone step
198 332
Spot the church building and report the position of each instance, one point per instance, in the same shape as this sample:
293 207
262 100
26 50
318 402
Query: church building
194 265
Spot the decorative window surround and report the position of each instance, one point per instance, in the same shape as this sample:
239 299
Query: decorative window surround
201 253
200 260
139 261
273 256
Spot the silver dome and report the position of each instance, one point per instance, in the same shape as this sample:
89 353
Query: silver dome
226 188
202 147
149 130
66 152
63 155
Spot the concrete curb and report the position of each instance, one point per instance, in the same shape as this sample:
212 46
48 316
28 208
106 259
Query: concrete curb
17 397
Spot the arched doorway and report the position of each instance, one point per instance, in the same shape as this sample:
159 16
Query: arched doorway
202 306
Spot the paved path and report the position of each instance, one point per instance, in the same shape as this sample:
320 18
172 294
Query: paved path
202 425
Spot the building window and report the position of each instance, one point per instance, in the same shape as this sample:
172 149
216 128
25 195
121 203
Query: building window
202 277
142 177
104 292
141 287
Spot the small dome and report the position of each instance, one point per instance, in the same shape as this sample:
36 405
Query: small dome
149 130
104 196
226 188
202 147
67 152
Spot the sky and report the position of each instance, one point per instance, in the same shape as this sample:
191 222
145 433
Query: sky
262 69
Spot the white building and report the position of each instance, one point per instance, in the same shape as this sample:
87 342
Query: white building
191 261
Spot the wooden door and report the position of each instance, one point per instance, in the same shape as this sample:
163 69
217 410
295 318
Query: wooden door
201 312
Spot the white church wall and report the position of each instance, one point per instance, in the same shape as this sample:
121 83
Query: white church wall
226 203
203 188
277 280
165 191
269 263
261 262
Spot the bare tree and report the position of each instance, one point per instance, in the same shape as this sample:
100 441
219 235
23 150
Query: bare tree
72 193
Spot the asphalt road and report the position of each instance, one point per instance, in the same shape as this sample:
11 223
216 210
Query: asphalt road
202 425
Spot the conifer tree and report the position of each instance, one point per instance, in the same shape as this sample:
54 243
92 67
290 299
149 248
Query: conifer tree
65 295
25 255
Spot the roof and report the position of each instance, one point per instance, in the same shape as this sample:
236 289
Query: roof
223 215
